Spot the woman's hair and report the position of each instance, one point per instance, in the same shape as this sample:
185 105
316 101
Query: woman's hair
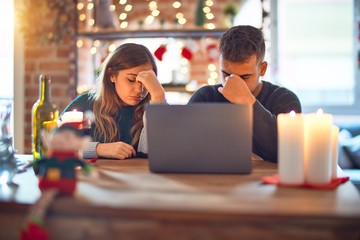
106 101
239 43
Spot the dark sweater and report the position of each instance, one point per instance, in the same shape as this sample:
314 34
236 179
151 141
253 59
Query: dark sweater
124 118
271 101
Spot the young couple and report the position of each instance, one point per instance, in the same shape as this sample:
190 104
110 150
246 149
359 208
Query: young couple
128 81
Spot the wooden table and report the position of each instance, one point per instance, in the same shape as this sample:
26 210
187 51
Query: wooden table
126 201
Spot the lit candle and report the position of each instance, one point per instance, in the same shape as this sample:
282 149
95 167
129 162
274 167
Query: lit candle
291 148
318 148
334 150
72 116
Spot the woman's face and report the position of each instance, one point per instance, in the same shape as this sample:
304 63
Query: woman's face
127 88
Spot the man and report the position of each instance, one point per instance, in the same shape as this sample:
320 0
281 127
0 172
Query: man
242 51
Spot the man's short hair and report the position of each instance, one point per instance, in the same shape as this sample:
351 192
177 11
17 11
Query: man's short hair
241 42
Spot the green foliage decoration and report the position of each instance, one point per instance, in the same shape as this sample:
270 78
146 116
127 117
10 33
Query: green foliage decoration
199 14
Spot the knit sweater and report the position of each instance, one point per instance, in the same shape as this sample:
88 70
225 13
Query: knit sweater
271 101
124 119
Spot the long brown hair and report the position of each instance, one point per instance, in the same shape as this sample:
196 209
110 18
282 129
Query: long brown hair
106 101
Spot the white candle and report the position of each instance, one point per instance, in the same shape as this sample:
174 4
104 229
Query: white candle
334 151
291 148
72 116
318 148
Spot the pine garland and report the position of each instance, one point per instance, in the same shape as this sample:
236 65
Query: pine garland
199 14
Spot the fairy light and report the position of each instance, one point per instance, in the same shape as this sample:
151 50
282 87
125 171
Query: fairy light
210 16
80 6
212 67
122 16
209 3
124 25
128 8
149 19
90 6
176 4
122 2
82 17
91 22
112 7
93 50
155 13
182 21
210 26
206 9
152 5
112 47
79 43
214 75
179 15
96 43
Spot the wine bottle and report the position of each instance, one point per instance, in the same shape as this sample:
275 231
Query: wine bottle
44 116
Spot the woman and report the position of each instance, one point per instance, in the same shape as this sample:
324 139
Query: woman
126 83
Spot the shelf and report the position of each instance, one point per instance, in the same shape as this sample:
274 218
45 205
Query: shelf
174 33
168 87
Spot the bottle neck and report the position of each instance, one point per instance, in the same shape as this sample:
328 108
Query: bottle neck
44 94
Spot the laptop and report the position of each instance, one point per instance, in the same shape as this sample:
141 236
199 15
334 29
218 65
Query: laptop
199 138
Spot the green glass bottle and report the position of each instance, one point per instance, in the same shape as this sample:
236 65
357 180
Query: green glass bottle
44 116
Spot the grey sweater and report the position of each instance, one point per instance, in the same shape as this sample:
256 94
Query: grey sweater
271 101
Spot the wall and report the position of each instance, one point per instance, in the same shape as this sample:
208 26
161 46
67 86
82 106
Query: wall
58 59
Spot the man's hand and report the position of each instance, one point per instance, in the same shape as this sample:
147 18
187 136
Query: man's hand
118 150
236 91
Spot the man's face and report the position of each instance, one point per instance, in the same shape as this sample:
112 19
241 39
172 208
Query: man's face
250 71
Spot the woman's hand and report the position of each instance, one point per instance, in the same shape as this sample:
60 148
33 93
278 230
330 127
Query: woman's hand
118 150
151 83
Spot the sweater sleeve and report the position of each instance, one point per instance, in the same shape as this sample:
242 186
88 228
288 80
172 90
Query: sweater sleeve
265 135
90 151
143 141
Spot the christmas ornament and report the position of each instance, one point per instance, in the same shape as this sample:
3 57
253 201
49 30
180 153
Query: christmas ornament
160 52
212 52
190 47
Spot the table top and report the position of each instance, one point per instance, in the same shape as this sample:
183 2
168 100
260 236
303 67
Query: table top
121 186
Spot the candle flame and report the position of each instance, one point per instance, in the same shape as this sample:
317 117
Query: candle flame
292 113
319 112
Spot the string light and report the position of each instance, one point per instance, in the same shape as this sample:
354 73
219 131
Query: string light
149 19
155 13
112 47
93 50
82 17
96 43
176 4
91 22
90 6
80 6
128 8
79 43
124 25
112 7
122 16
